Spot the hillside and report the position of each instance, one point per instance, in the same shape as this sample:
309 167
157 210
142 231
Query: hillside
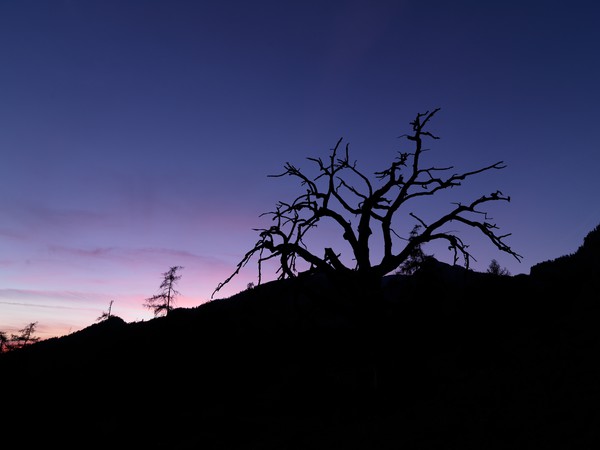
453 359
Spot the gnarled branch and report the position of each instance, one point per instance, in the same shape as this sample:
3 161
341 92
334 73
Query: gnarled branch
340 191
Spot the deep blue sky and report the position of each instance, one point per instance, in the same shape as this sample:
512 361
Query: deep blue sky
137 135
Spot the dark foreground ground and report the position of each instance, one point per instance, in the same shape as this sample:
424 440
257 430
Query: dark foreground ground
449 361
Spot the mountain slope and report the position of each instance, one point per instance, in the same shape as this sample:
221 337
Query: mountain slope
453 359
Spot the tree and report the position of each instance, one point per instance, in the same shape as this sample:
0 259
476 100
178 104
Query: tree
3 341
341 193
105 314
495 269
416 259
25 336
163 302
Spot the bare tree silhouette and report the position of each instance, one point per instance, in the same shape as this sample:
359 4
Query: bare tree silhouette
105 314
25 337
332 195
163 302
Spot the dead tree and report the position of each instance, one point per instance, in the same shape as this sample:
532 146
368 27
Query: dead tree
25 337
357 206
106 314
163 303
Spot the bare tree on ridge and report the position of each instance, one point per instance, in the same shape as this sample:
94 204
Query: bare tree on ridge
344 195
163 303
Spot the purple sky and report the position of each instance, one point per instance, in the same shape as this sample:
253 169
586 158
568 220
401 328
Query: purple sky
137 135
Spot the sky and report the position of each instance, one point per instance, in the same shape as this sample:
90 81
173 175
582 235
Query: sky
136 135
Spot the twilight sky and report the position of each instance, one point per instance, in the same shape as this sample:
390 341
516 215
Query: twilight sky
138 134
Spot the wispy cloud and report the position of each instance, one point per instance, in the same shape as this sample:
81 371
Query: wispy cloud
6 233
48 306
35 215
96 252
144 254
24 294
33 223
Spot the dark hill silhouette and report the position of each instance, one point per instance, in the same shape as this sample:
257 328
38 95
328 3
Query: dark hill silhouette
582 264
453 359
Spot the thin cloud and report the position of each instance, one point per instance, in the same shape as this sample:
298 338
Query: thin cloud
34 223
136 254
98 252
11 234
59 217
39 305
56 295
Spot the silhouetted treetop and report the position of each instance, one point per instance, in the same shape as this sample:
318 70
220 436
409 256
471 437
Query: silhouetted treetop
163 302
343 194
584 262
